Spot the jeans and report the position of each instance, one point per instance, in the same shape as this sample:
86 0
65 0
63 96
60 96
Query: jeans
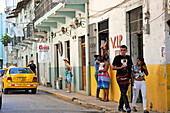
139 85
98 89
123 99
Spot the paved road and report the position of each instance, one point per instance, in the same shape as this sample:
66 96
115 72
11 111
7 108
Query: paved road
21 102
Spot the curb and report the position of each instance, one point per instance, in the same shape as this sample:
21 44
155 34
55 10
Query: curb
76 100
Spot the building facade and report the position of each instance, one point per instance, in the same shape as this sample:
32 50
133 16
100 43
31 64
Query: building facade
142 26
77 29
67 25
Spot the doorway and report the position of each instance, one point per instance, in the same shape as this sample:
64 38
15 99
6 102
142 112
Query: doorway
136 33
26 60
83 59
68 49
57 61
135 18
37 68
103 32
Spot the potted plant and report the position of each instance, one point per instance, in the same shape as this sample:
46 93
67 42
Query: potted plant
6 39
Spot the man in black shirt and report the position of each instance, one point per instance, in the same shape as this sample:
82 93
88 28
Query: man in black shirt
123 63
32 66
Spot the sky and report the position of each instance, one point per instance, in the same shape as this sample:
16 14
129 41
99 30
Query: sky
2 6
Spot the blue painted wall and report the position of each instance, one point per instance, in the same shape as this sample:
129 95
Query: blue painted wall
2 32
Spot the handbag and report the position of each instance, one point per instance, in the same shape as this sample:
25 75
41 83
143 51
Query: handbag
71 74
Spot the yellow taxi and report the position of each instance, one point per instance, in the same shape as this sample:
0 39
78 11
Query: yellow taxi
19 78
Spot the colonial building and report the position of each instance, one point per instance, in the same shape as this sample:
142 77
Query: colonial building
67 25
142 26
78 29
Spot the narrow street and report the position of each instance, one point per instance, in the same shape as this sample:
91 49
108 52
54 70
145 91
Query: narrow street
22 102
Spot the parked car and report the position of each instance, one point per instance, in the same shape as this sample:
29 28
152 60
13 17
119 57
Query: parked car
1 73
19 78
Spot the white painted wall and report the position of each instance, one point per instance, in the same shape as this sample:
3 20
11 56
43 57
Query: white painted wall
74 50
117 24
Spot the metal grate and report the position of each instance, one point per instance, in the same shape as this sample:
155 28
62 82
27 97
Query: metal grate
136 20
103 25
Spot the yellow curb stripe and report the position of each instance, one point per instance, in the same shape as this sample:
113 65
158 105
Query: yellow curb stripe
76 100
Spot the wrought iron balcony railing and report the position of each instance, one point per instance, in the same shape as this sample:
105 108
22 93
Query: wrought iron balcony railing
43 7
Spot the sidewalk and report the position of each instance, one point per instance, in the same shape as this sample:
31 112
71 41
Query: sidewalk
89 101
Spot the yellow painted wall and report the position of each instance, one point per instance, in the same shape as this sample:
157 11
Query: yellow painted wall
157 88
157 94
114 92
168 85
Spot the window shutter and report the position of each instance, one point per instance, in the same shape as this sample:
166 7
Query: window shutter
92 43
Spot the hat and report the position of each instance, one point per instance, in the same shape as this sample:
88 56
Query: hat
96 56
66 59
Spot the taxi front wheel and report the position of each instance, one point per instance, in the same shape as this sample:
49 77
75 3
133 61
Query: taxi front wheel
5 91
33 91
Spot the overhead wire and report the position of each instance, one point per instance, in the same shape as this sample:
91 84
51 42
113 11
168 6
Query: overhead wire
98 13
157 17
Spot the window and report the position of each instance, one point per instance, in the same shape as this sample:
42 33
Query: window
20 71
92 43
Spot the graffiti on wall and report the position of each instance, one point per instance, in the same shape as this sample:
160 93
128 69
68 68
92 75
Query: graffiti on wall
116 42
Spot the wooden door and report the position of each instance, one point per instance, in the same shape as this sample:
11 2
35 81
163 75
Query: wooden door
57 60
37 68
83 51
26 60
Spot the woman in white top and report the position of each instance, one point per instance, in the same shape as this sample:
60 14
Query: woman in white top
139 70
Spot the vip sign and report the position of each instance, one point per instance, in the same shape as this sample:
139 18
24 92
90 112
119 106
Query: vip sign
116 42
44 52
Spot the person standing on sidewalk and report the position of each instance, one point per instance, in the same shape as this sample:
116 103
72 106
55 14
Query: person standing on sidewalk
123 63
104 78
139 70
96 64
32 66
68 74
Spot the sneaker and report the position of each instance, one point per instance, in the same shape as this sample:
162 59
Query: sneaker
121 110
68 91
146 111
98 98
128 110
134 109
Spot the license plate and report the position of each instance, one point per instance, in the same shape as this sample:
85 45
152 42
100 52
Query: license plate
22 79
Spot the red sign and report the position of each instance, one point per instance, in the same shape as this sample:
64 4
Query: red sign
116 43
43 47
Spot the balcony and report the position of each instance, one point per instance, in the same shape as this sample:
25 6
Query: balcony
43 7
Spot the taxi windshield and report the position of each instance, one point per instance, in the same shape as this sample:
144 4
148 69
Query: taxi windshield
20 71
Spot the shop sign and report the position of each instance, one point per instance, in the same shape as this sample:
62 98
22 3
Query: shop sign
44 52
116 42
